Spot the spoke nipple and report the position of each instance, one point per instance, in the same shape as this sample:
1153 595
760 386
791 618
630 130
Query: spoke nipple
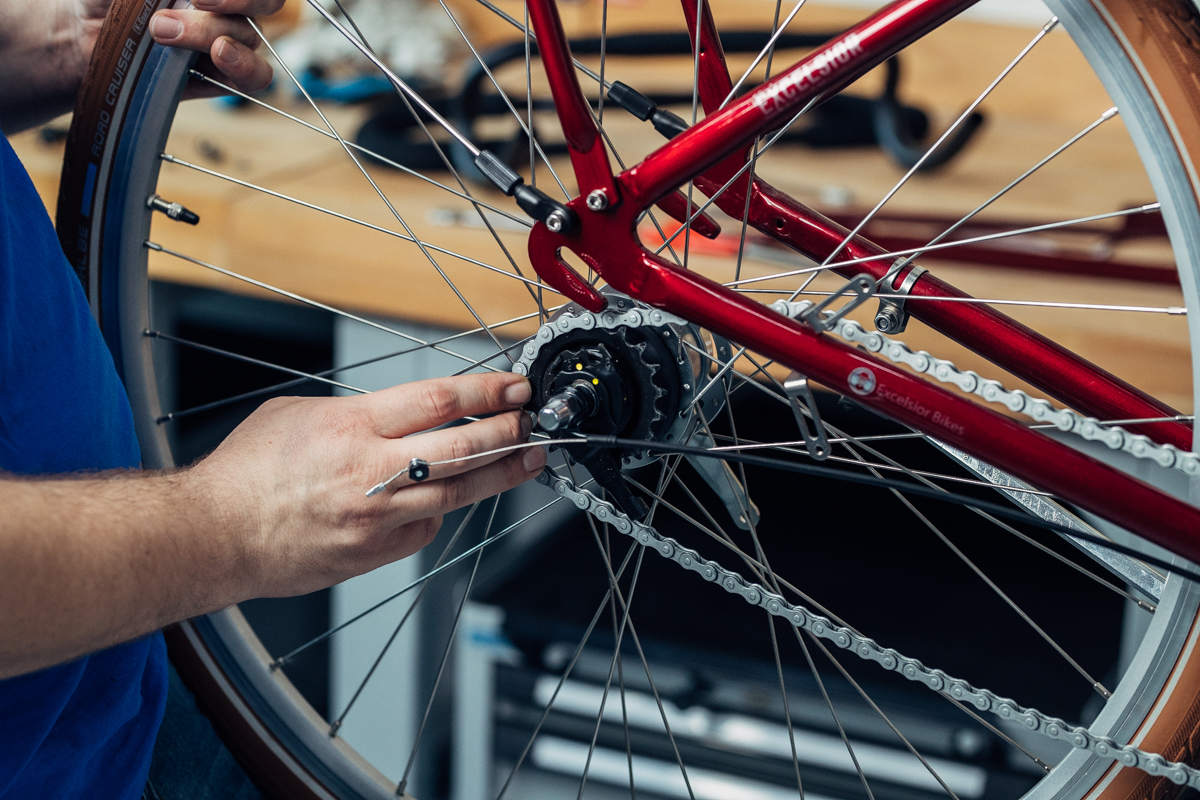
173 210
334 728
418 469
597 200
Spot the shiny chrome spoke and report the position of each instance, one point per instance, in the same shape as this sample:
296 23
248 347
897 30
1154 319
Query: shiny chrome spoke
886 719
812 667
767 52
1049 226
171 159
284 659
941 140
587 635
996 590
787 709
437 681
357 163
693 216
1105 117
336 725
615 588
166 337
196 74
616 659
312 303
526 127
215 404
1173 311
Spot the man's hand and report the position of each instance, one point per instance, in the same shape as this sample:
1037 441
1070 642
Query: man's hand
293 477
279 508
219 29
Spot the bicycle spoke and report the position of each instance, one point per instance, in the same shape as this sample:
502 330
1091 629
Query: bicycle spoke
1173 311
620 633
341 718
862 776
887 720
1049 226
692 216
283 660
313 207
1107 115
175 415
364 150
437 681
616 590
301 299
787 709
166 337
528 129
1095 684
587 634
378 191
767 52
408 96
941 139
1109 563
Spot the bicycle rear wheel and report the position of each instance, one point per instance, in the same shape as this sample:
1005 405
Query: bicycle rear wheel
1145 56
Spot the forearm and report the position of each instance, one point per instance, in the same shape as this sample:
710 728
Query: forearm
44 48
89 563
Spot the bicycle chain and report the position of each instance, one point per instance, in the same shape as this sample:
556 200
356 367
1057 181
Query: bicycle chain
981 700
1017 401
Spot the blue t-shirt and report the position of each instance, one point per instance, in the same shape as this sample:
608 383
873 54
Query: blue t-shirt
87 728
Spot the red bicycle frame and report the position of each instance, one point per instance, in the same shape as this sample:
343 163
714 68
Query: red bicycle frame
712 152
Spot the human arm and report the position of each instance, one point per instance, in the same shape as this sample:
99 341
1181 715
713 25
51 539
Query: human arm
279 508
45 46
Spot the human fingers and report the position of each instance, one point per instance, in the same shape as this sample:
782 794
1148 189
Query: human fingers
421 405
451 451
200 30
445 495
230 43
248 8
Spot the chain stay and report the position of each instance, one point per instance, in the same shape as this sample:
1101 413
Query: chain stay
801 618
1016 401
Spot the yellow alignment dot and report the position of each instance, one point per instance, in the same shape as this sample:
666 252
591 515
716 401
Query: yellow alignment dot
579 366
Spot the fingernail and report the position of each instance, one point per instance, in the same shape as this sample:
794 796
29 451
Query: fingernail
517 393
207 5
526 425
535 459
165 28
227 52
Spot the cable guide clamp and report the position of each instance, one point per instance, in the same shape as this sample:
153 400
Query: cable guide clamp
815 441
892 316
534 202
820 318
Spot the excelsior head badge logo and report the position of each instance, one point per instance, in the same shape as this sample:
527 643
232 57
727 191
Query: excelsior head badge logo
861 381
